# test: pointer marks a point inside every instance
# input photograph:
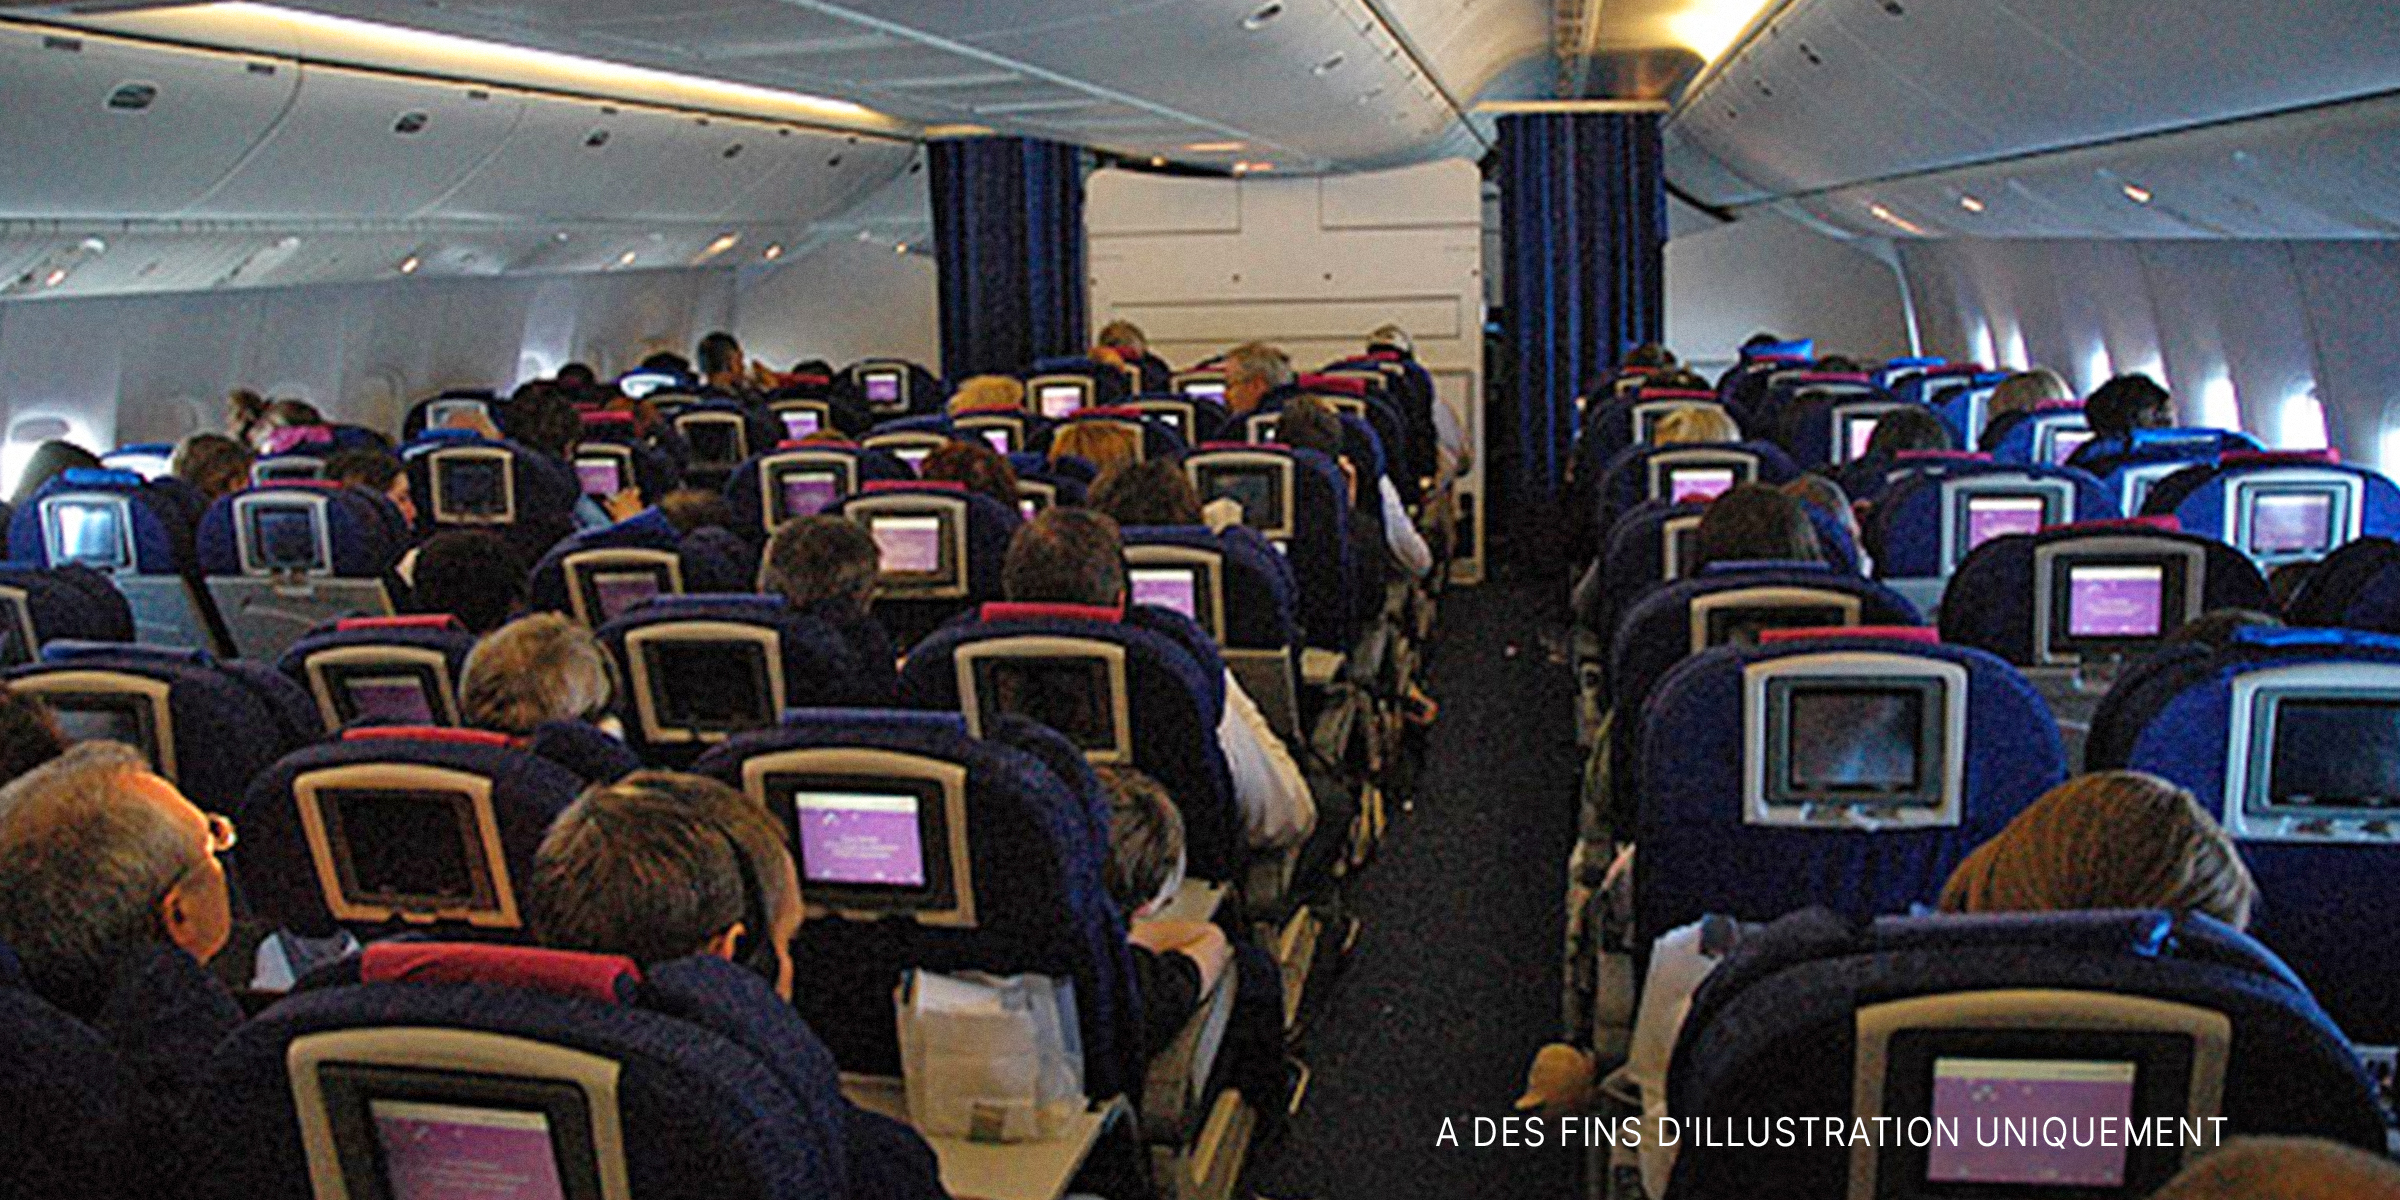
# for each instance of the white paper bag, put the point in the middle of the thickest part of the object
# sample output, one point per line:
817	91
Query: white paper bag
990	1059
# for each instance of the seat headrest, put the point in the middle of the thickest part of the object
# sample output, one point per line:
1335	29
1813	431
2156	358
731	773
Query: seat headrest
876	486
1921	634
603	417
2161	523
2272	638
1012	610
796	444
1650	393
948	722
1339	387
1112	412
99	477
1253	447
2272	458
70	650
1944	456
444	622
429	733
605	978
1764	564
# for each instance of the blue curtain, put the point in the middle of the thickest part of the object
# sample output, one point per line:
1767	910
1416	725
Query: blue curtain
1008	233
1583	221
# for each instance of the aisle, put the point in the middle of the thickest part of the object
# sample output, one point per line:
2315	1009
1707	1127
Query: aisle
1455	981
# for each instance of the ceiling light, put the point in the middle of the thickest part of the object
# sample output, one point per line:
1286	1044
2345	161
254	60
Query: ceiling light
773	251
1333	62
57	276
560	236
1710	27
1895	220
1970	203
626	259
409	265
1158	160
1264	13
721	245
93	245
2136	193
1216	147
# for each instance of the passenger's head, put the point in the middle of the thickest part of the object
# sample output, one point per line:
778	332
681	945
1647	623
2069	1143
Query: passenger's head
1145	841
2026	391
2285	1169
376	471
29	734
2127	403
690	508
1309	423
976	465
1819	492
1696	426
2115	839
1157	492
1753	522
985	393
541	417
98	858
720	358
2216	627
213	463
660	866
667	362
1906	430
1066	556
578	376
1392	336
1676	379
471	574
821	560
245	411
293	414
1253	369
48	461
1126	338
534	669
1649	354
1107	445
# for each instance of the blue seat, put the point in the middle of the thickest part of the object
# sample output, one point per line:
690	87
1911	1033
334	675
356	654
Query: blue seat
2048	436
39	605
524	496
1822	427
1929	518
2130	465
1960	394
1103	385
1710	843
765	489
382	670
676	1081
1173	700
1610	427
284	558
1243	598
71	1111
399	829
883	388
2208	720
721	435
1005	430
2221	500
2003	595
694	670
139	533
943	549
614	439
1776	414
1192	418
1309	517
1774	1033
1041	486
209	726
911	439
1158	437
1409	388
1035	836
2355	587
1642	473
596	574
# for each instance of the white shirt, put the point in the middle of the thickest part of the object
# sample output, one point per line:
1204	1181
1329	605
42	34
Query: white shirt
1277	810
1400	534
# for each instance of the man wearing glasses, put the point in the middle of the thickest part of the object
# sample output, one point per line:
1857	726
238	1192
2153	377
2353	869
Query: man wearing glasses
112	898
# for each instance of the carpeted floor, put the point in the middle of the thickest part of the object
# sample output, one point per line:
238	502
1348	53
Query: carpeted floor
1456	978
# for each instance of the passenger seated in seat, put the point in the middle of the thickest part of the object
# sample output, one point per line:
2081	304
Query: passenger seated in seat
986	393
1076	556
540	677
1160	492
1695	427
661	866
376	471
1754	522
2127	403
471	574
215	464
976	465
541	418
1308	423
2115	839
48	461
1253	370
2015	399
1177	963
29	734
1898	432
2285	1169
825	566
113	897
1827	496
1107	447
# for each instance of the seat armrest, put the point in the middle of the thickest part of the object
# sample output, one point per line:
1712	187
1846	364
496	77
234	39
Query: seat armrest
1319	668
1176	1087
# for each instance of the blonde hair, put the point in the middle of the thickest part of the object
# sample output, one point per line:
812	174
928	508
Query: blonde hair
2028	390
1124	335
1109	446
2114	839
1701	424
986	392
534	669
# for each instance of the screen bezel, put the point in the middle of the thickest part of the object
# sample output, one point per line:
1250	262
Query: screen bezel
1281	476
1768	803
584	569
24	643
897	376
1039	402
2057	497
1104	660
436	469
752	658
736	430
2249	814
2162	1065
819	413
842	467
348	1091
617	459
1177	413
938	892
1647	414
146	699
54	533
1847	416
948	577
1208	579
494	903
1672	566
345	702
948	898
2346	496
649	695
1711	613
329	670
2181	593
1925	790
1664	464
2045	435
247	538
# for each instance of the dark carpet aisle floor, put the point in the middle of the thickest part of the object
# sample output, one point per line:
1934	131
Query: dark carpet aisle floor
1455	981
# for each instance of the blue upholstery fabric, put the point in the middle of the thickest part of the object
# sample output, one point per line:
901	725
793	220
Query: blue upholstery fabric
1037	827
703	1115
1320	552
363	546
71	1114
853	414
231	719
71	602
591	755
2320	906
2104	456
279	878
1904	530
760	426
1991	600
163	519
742	494
1698	856
1805	427
1771	1033
1954	399
1633	561
1625	482
818	671
656	470
1608	430
990	525
547	490
1411	392
2355	587
1175	705
2014	441
1071	490
1257	581
2196	494
709	564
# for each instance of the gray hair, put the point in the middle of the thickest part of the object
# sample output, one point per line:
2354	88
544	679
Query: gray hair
820	558
534	669
1258	360
82	870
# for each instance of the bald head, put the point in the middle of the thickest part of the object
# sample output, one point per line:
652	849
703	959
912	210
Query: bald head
2286	1169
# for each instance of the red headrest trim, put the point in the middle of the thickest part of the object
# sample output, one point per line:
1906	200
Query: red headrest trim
430	733
1778	358
1009	610
320	484
1924	634
607	417
1956	369
558	972
796	444
2059	406
915	485
1833	377
1270	447
811	380
421	621
1673	394
2269	458
1642	369
2163	522
1339	387
1386	355
1113	412
1943	456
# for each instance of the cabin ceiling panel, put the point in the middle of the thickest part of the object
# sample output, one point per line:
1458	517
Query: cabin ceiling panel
363	145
